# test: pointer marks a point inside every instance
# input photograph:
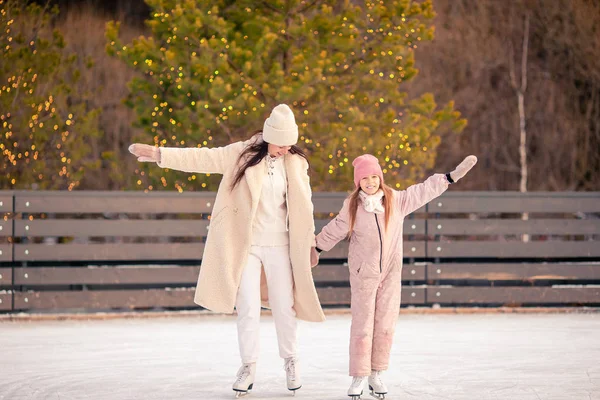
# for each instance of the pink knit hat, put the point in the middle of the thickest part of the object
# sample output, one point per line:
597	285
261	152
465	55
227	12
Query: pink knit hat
366	165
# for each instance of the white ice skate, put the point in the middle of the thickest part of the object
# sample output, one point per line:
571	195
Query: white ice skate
357	387
376	385
244	380
292	375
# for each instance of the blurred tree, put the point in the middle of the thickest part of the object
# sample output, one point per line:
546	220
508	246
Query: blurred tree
43	127
212	71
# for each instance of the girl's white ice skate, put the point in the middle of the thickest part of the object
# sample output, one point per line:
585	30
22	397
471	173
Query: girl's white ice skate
292	376
244	380
376	385
357	387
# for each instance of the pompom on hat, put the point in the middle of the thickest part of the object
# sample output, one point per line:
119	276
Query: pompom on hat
280	128
366	165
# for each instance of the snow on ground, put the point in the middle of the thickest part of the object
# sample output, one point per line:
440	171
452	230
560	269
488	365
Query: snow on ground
455	356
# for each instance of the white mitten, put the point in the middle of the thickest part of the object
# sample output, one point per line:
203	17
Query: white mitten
462	168
145	152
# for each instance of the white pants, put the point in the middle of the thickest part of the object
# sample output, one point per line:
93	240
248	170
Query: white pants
278	271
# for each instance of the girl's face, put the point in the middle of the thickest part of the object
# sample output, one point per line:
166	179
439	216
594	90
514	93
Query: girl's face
370	184
278	151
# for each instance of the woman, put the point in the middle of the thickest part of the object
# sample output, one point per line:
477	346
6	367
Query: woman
263	215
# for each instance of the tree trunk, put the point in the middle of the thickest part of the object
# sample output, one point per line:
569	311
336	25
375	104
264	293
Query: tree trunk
520	92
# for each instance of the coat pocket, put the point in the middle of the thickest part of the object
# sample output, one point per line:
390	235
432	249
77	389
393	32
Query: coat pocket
364	276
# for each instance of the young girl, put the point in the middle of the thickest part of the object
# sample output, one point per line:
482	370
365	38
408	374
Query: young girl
260	238
372	217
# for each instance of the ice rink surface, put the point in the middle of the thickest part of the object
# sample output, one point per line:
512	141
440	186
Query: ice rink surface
453	356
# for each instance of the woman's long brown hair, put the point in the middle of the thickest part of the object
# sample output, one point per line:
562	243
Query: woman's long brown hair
387	205
254	153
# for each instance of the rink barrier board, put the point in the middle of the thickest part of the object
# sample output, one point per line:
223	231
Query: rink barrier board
451	233
158	274
515	202
528	272
6	301
494	227
138	228
6	252
515	296
6	228
6	277
89	202
104	299
487	249
340	296
323	274
99	300
103	252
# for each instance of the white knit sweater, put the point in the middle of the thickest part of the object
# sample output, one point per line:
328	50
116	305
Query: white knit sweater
270	223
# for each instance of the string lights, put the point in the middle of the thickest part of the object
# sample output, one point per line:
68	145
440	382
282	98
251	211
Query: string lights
210	77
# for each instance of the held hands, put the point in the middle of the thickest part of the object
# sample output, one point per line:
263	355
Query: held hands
314	257
145	152
464	167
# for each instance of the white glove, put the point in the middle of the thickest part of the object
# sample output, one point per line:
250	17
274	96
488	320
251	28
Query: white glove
145	152
462	168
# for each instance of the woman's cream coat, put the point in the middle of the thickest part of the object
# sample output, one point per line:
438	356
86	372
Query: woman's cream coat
229	237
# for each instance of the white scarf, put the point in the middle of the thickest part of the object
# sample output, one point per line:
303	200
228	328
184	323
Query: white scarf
372	202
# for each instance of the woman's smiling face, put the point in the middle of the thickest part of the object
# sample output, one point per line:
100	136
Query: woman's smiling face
370	184
278	151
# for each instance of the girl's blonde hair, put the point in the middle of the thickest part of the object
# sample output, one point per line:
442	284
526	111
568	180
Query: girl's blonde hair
354	199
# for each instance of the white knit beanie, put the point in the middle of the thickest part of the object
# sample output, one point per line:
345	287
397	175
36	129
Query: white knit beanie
280	128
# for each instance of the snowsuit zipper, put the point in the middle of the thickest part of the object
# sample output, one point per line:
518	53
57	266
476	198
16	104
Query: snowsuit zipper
380	245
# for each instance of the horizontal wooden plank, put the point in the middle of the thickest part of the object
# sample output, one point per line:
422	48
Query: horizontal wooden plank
107	275
6	202
411	295
335	273
328	202
412	249
175	227
122	227
513	226
113	202
514	272
6	301
514	295
514	202
6	227
411	226
105	252
6	275
152	298
324	202
104	299
156	274
514	249
6	252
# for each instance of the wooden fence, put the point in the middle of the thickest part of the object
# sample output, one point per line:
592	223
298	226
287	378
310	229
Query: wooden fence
132	250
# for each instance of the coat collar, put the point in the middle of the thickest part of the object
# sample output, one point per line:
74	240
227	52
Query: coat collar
254	177
256	174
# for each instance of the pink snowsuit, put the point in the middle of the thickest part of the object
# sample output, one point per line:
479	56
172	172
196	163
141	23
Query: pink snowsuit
375	262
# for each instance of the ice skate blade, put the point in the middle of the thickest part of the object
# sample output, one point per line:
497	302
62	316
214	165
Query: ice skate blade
293	390
380	396
243	393
355	396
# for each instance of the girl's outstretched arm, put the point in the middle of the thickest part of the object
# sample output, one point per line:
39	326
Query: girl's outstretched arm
336	230
418	195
